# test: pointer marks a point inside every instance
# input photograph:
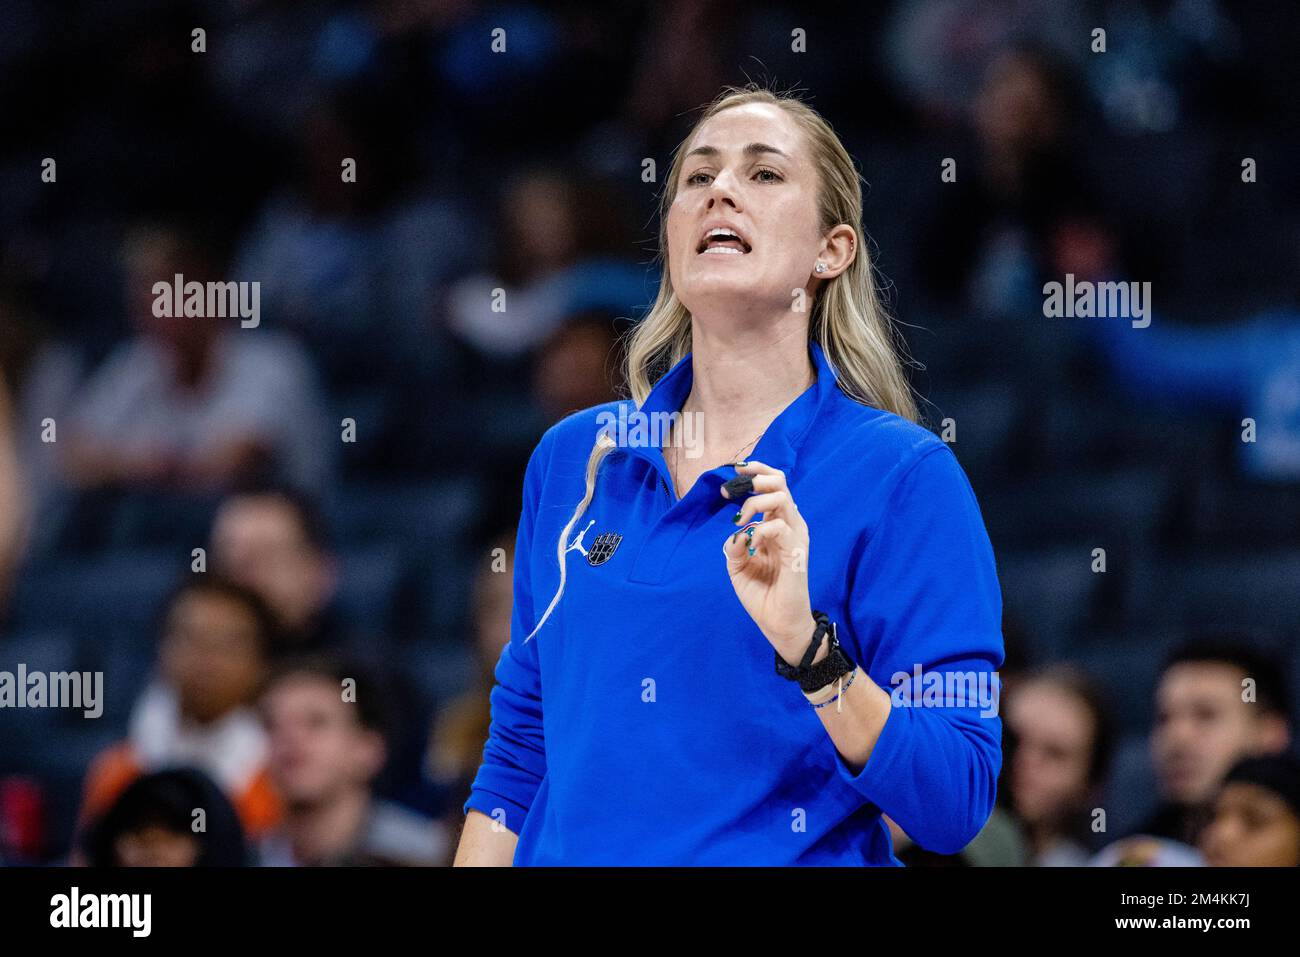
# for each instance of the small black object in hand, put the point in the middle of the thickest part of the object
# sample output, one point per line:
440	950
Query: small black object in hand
739	487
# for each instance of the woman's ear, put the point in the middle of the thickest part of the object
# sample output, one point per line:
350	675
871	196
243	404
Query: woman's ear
839	249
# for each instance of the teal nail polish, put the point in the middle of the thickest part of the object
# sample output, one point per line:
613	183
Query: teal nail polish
751	549
736	520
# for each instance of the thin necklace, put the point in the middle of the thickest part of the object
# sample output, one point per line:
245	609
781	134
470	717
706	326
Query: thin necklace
734	458
677	457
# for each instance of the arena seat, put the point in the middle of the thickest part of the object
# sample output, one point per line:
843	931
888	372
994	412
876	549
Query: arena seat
1111	510
119	591
1252	591
1053	593
370	581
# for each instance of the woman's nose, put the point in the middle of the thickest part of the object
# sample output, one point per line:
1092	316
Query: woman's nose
723	189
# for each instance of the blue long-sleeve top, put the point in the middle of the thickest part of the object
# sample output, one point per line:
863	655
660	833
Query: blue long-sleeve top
645	723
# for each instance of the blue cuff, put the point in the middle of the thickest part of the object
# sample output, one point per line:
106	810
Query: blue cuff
498	808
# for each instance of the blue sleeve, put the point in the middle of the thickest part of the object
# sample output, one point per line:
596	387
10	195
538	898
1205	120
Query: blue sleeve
924	592
514	757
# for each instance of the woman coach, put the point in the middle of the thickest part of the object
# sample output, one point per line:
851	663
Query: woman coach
686	683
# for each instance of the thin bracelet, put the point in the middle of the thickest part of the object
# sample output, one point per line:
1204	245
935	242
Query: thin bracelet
822	694
827	691
840	694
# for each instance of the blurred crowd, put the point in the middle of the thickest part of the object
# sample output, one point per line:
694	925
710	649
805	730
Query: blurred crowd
283	546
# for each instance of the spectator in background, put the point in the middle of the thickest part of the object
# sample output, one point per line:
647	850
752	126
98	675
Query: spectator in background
13	504
1217	702
680	62
578	366
461	729
324	718
1146	851
197	712
937	51
548	263
38	376
194	405
153	823
1064	743
536	235
1002	226
349	266
274	542
1255	821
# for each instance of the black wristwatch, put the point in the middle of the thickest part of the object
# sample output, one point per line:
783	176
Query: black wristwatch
810	676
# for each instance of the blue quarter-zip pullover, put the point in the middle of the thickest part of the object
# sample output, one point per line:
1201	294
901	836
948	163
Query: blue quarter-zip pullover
645	723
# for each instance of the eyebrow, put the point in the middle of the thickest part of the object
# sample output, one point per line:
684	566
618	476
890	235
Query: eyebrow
751	149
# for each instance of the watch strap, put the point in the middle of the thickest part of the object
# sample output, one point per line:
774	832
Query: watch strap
836	663
791	672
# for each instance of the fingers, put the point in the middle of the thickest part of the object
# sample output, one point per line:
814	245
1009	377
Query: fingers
758	469
776	504
742	485
775	531
736	547
742	545
769	482
771	504
755	476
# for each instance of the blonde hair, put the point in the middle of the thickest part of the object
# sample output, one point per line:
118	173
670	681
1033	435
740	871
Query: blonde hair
848	318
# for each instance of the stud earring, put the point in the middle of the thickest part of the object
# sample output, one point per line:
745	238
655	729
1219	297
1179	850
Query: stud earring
820	267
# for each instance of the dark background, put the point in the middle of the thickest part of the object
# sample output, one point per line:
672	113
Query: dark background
1126	164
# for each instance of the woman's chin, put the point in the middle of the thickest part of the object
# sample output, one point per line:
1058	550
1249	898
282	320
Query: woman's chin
707	283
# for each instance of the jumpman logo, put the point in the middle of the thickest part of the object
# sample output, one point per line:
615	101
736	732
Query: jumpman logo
577	542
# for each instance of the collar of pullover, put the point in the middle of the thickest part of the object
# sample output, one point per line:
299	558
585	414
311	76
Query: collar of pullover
779	445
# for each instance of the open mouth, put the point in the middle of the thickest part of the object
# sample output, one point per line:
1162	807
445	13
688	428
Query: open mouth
722	242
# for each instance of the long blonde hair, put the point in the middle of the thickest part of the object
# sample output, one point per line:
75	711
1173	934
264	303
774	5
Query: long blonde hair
848	318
